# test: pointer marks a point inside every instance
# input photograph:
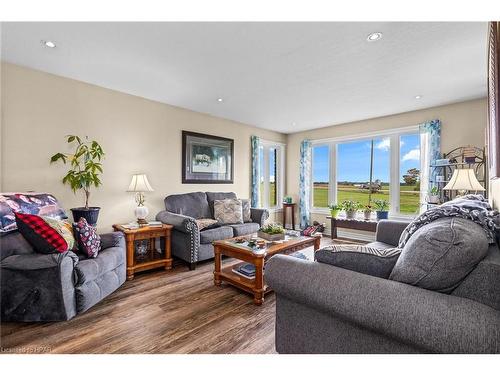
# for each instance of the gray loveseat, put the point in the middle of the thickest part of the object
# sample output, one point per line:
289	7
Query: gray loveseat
321	308
188	242
53	287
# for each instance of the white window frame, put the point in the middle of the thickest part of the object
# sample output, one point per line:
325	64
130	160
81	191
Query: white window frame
280	171
394	136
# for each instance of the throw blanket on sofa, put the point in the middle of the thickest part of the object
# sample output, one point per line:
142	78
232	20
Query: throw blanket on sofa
471	207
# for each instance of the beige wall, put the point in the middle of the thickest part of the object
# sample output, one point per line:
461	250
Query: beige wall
138	135
495	193
462	124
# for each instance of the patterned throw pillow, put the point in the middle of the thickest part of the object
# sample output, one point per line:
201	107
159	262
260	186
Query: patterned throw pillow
360	258
88	240
45	234
247	214
41	204
206	223
228	211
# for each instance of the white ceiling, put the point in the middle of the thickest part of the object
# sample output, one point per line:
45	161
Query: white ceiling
286	77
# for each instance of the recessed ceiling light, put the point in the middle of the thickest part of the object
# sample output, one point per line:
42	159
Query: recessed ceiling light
220	100
418	97
49	43
374	36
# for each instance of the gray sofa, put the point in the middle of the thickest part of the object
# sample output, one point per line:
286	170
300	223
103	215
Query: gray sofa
53	287
188	242
321	308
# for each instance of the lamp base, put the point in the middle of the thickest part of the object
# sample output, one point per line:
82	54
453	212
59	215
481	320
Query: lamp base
141	212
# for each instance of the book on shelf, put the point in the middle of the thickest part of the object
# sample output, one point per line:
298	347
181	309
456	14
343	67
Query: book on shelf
155	223
246	270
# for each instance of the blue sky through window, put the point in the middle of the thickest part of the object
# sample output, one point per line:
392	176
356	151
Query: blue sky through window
354	159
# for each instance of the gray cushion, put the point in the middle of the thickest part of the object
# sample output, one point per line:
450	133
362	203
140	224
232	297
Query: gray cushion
380	245
244	229
439	255
90	269
483	283
190	204
217	196
220	233
360	258
13	243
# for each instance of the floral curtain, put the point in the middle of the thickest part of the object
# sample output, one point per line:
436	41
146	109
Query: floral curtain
305	182
256	143
430	151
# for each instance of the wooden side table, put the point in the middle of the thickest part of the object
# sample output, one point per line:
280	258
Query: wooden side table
286	206
141	248
338	222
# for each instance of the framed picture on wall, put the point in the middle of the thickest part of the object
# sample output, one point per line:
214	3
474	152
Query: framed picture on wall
206	159
493	133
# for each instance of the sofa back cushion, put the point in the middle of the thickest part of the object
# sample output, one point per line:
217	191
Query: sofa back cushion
190	204
14	243
439	255
483	283
213	196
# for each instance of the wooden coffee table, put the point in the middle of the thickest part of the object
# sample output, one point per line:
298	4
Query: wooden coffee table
258	258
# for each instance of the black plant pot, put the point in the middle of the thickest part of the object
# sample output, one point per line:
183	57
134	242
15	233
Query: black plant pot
90	214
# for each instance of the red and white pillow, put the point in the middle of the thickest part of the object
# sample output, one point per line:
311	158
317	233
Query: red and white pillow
87	238
46	235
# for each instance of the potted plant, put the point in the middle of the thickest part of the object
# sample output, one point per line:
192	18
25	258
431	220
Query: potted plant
433	195
350	208
382	208
367	211
335	209
85	169
272	232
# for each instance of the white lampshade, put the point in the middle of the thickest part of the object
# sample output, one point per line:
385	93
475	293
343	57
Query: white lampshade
139	183
463	179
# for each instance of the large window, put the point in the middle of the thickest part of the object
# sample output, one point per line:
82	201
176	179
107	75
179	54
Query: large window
271	164
385	166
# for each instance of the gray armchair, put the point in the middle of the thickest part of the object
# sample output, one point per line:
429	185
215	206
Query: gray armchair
53	287
321	308
188	242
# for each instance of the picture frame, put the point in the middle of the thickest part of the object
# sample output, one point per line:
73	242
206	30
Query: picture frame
207	159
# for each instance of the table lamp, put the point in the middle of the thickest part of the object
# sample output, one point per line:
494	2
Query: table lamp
139	185
463	180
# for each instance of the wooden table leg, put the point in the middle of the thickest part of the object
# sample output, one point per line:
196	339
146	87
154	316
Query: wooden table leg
284	216
333	224
218	261
317	243
168	253
293	217
258	295
130	257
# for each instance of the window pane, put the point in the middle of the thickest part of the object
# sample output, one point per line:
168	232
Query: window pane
261	176
273	198
354	163
409	195
321	175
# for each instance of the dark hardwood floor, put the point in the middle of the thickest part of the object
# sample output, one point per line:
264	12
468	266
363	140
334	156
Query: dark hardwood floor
177	311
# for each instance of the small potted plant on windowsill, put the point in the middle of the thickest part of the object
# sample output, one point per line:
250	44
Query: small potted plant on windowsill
433	195
272	232
84	173
382	209
335	209
367	212
350	207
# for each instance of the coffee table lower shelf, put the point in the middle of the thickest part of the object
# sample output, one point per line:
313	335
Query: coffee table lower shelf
255	285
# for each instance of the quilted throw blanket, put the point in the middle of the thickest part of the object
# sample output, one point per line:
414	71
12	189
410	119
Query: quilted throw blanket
472	207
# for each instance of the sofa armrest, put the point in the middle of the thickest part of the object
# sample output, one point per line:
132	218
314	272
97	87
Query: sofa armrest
36	261
112	239
259	215
432	321
389	231
182	223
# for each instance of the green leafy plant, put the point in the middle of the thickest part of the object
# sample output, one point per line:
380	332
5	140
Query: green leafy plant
273	228
335	207
85	165
381	205
349	205
434	191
